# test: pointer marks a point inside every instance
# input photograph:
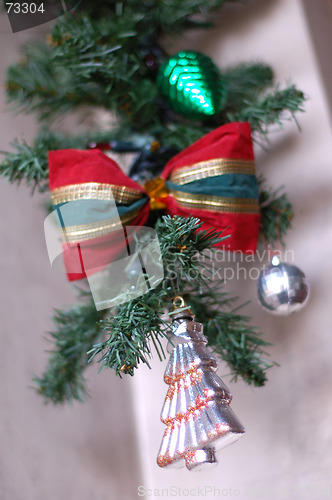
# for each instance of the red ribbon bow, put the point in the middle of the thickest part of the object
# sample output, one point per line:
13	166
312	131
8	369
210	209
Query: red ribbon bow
213	179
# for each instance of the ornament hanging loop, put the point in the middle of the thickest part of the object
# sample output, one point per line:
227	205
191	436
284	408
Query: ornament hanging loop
180	309
178	302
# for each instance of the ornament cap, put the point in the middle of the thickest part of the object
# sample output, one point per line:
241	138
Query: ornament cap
181	310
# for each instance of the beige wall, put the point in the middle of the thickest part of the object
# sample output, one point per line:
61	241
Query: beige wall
89	452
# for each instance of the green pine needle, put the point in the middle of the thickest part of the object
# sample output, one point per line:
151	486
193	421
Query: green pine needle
76	330
137	324
276	215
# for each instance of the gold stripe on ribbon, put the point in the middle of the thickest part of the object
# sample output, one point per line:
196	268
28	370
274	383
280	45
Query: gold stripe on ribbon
95	191
84	232
211	168
216	203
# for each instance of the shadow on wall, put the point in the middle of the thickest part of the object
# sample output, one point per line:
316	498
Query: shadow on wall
319	20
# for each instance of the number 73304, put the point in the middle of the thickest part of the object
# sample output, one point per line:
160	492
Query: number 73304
24	8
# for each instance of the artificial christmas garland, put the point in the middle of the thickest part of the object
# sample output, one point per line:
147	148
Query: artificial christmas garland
189	125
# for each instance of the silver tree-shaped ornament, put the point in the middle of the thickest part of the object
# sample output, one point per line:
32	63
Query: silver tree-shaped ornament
196	411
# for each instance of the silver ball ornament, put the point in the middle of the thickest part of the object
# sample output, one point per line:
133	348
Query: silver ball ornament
282	288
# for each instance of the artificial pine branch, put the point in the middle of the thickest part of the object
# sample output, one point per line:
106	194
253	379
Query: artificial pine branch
135	324
131	330
139	323
26	163
134	329
76	330
97	61
36	84
245	80
276	215
180	135
30	164
171	17
270	109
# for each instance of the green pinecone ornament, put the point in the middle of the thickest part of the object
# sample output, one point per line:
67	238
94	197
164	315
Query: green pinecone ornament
192	85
